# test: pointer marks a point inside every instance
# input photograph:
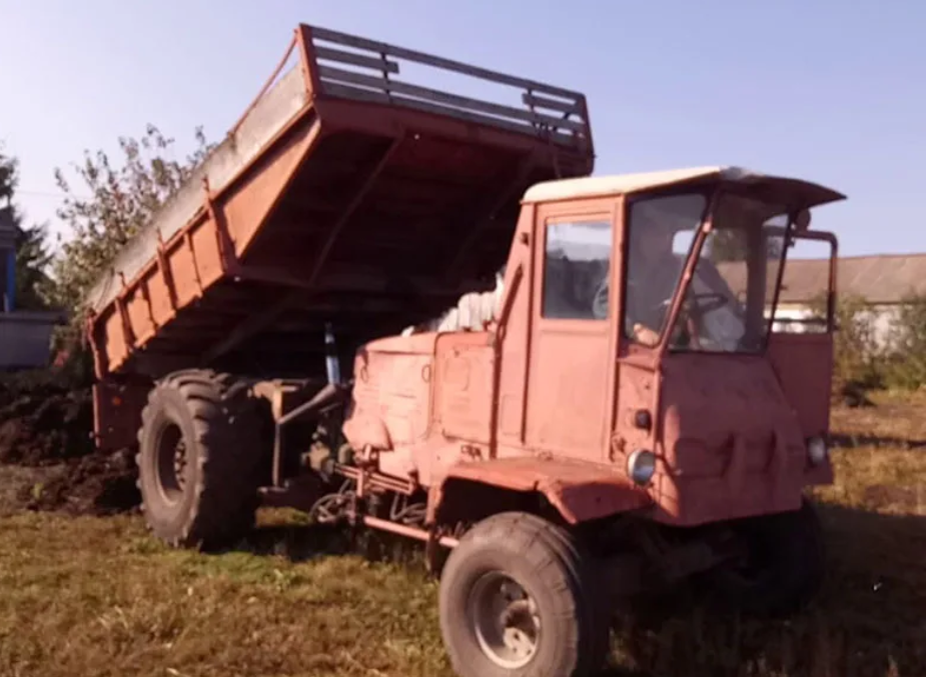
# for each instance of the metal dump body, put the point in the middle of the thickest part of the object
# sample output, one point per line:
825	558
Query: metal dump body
344	194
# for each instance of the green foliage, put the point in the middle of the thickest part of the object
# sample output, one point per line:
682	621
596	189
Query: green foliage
905	366
120	199
33	285
9	178
861	361
858	361
733	244
856	355
111	203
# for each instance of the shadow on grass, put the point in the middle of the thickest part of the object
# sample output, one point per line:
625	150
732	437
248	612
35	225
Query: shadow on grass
848	441
303	542
869	619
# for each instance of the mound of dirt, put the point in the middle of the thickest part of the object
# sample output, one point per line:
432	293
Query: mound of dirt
47	425
97	484
46	422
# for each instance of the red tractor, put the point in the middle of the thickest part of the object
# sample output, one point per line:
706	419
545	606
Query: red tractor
625	418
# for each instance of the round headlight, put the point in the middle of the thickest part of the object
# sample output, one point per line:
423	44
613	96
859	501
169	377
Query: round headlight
641	465
816	450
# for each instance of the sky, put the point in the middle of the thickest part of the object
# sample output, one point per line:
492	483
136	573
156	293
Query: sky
823	90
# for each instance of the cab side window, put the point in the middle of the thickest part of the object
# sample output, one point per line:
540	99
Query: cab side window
577	268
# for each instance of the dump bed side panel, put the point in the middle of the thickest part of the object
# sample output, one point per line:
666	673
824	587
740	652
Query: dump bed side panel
342	196
271	115
191	262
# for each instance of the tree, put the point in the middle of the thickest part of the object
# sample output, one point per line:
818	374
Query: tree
120	200
9	178
732	244
33	285
906	364
858	359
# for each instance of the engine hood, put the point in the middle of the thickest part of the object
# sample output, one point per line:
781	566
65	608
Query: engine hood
713	405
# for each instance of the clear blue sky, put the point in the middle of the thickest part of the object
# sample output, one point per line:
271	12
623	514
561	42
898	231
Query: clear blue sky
825	90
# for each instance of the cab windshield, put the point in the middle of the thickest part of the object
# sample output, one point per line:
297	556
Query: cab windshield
725	307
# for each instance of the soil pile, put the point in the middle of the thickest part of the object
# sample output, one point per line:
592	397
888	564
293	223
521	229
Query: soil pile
96	484
42	422
46	421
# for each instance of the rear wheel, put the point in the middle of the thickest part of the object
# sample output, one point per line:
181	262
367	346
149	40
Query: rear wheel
198	460
517	599
782	566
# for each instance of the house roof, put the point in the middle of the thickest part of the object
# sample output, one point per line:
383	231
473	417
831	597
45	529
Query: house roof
592	186
877	279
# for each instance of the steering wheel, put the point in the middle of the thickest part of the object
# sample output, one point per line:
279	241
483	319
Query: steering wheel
694	311
714	301
600	300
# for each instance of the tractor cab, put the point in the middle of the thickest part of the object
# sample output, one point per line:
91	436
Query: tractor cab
678	375
631	364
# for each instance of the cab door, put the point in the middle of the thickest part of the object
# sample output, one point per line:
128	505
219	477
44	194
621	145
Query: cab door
801	348
571	363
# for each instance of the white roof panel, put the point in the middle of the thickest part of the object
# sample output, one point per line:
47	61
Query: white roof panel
592	186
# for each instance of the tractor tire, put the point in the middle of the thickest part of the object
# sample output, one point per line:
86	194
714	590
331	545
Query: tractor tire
198	460
524	573
785	564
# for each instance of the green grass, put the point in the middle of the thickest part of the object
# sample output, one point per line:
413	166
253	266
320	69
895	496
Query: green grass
98	596
90	596
881	463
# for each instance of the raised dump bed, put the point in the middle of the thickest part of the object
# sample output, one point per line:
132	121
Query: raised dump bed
345	194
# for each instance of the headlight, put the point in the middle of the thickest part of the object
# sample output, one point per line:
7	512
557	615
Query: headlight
641	465
816	450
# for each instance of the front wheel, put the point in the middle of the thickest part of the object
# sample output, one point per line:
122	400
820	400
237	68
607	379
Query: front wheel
517	599
782	566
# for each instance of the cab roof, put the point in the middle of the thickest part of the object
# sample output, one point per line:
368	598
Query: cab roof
810	194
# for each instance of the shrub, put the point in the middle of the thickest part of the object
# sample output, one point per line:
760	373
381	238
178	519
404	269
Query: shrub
905	366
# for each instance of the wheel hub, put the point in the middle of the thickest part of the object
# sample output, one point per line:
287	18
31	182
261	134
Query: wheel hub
180	464
505	620
171	459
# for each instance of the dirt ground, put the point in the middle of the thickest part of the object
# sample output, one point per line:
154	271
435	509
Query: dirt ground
47	457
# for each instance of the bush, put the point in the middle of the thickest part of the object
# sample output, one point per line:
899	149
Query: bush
110	205
864	361
858	362
905	366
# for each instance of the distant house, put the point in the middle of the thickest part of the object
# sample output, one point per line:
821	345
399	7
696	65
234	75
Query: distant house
25	336
882	282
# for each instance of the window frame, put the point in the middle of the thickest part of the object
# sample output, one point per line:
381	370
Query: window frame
592	216
708	192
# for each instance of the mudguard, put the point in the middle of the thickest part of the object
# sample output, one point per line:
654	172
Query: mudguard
581	491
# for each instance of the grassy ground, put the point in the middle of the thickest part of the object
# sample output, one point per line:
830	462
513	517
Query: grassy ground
89	596
96	596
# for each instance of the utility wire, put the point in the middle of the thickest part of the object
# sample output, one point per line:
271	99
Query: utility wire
44	193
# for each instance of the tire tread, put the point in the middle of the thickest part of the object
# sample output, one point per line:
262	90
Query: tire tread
225	433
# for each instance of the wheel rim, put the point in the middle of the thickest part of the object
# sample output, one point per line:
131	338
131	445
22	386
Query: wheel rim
171	463
505	620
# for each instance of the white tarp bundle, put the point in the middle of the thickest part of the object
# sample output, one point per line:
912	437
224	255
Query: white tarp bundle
473	312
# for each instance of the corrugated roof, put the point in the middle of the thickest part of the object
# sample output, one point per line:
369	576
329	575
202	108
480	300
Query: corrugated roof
877	279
